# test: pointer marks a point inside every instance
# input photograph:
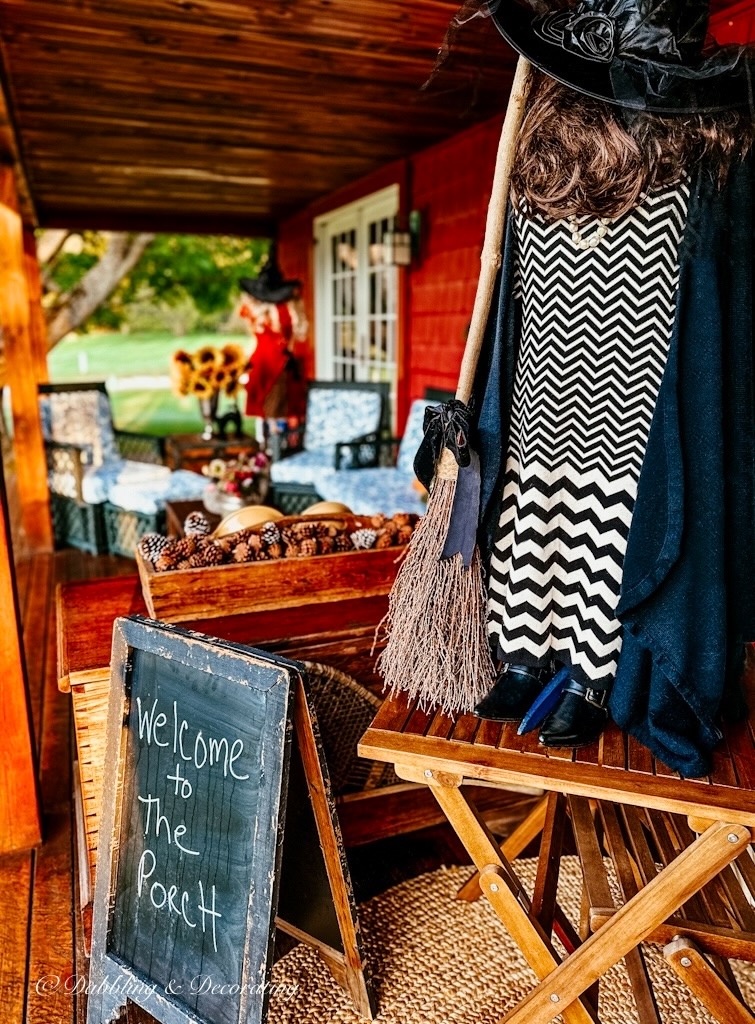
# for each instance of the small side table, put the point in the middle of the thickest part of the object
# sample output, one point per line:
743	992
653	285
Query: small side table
191	451
177	511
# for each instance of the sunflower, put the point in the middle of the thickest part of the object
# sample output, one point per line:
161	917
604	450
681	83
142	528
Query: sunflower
231	355
207	355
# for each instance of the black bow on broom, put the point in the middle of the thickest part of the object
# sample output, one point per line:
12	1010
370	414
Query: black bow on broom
445	426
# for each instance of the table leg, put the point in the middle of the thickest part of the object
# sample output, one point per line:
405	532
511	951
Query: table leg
499	883
660	898
709	987
518	841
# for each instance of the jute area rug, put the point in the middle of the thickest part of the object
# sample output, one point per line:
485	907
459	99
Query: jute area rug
438	960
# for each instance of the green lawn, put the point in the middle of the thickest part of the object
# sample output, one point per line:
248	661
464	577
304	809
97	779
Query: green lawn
97	356
101	356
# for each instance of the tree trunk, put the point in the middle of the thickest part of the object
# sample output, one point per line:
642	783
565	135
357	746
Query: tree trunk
121	256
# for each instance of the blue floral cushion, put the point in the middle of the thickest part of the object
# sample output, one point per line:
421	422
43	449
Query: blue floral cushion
141	487
98	480
368	491
340	415
82	418
412	438
303	467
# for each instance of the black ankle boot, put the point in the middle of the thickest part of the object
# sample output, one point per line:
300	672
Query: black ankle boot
513	693
578	720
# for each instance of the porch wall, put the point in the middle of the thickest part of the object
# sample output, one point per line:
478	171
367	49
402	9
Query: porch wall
449	184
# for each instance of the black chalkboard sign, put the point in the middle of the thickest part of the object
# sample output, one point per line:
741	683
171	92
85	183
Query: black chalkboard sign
198	753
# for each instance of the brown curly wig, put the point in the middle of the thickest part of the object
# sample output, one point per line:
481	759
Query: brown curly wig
576	155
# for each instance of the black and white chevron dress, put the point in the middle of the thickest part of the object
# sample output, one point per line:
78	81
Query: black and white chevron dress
596	328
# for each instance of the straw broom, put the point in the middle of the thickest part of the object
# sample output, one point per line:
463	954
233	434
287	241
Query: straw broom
437	649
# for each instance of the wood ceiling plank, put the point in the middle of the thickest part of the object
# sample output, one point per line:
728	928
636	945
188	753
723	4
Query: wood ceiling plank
218	102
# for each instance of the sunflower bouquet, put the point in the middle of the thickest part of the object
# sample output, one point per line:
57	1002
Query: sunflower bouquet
209	371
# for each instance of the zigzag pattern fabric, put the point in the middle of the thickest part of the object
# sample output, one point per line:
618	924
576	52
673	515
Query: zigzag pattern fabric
596	329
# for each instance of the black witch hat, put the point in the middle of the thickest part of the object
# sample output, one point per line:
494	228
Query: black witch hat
640	54
271	286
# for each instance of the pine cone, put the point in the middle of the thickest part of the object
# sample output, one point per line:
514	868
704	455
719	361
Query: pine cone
289	536
184	564
308	547
292	550
391	529
185	547
152	545
197	560
364	539
242	552
270	533
275	550
254	541
165	563
212	555
343	543
196	525
405	534
384	540
402	519
378	521
327	545
305	531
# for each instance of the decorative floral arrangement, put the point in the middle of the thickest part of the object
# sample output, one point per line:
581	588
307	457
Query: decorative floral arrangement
238	477
208	371
292	538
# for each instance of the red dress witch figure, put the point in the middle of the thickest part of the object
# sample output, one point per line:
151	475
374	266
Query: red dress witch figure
275	388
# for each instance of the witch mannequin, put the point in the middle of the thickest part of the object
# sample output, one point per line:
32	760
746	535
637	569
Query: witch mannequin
613	405
275	386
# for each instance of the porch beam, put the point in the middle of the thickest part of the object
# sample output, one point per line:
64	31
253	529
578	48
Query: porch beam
20	824
23	372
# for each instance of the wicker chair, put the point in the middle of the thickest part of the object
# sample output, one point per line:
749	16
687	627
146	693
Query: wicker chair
107	487
387	484
337	412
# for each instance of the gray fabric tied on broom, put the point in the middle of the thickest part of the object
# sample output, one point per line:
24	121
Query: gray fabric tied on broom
462	530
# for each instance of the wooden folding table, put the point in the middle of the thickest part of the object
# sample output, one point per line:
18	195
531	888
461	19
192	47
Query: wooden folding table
613	784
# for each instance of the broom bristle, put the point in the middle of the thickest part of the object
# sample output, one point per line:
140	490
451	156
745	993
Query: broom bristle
437	648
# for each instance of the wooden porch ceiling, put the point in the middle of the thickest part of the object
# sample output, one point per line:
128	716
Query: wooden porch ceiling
226	115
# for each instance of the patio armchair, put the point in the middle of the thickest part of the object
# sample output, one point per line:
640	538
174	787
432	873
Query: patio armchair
107	487
389	484
344	420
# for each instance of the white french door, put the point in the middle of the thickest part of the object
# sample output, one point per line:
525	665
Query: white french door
356	294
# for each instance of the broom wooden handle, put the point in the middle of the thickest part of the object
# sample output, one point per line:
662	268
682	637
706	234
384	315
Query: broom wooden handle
491	249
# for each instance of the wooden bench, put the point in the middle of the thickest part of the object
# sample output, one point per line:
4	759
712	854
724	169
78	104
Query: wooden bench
679	847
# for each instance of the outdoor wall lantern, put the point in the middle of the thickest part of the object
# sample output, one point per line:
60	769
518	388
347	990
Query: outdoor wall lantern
397	248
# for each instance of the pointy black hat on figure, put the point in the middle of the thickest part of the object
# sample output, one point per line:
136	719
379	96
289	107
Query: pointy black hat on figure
651	55
271	286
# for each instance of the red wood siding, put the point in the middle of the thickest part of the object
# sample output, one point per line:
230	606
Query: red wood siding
450	187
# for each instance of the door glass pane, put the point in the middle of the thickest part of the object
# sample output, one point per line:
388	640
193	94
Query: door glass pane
362	308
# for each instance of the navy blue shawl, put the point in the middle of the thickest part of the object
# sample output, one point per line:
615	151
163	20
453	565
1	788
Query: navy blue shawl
688	593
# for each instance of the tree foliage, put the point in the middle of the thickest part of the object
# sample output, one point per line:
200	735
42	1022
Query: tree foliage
169	271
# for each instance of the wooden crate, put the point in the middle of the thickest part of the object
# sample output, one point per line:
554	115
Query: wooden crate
90	699
182	595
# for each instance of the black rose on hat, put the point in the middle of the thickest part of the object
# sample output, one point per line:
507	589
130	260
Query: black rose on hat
640	54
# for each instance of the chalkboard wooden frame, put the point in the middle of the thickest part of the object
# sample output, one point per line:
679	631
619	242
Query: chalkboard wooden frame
112	981
348	964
